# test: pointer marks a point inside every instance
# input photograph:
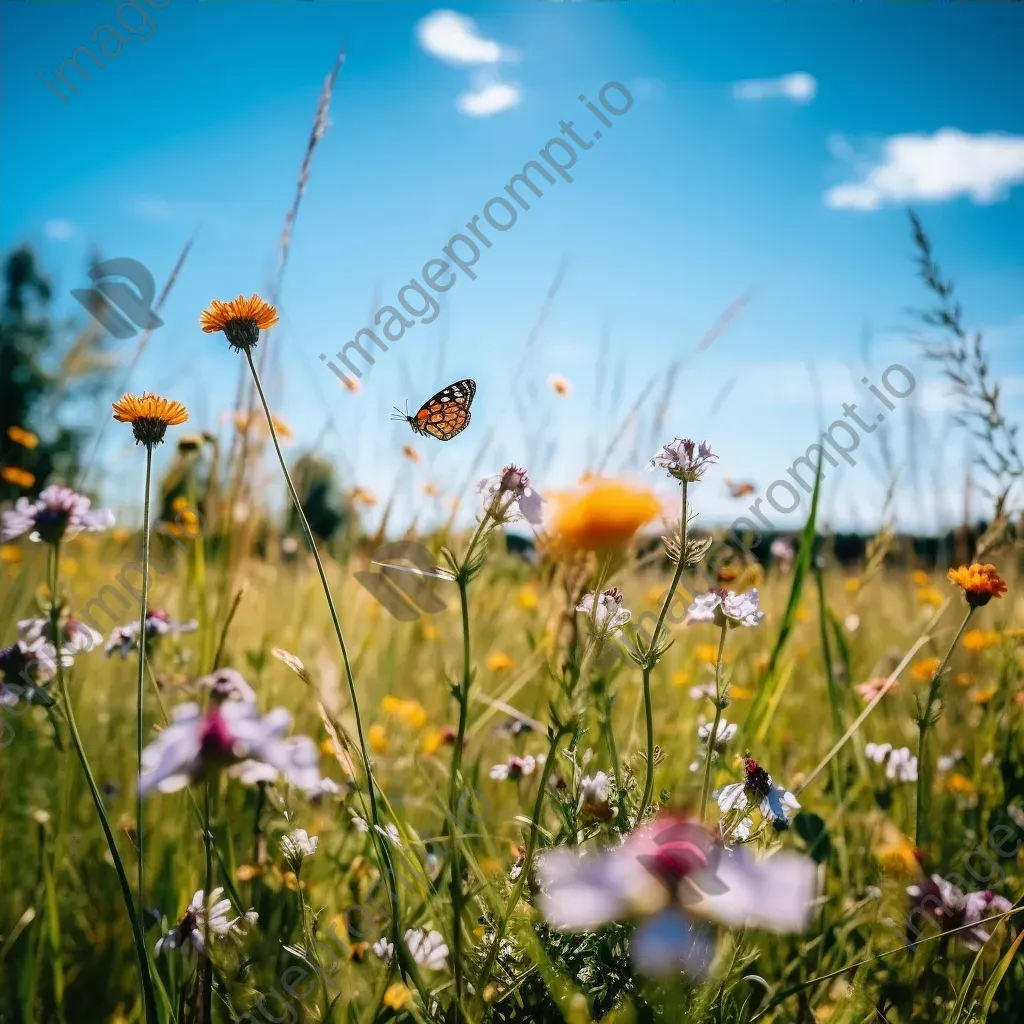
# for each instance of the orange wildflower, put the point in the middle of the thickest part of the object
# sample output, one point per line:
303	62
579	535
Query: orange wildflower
980	583
17	476
150	416
241	320
605	515
19	435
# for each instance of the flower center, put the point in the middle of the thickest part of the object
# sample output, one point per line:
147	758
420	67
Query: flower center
51	523
216	742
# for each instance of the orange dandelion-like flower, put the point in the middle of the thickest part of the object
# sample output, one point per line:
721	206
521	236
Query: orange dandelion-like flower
17	476
241	320
604	515
925	668
980	583
983	694
363	497
559	385
150	416
410	453
960	785
349	384
23	437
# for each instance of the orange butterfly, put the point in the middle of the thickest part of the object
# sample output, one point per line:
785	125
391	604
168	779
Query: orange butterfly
444	415
739	490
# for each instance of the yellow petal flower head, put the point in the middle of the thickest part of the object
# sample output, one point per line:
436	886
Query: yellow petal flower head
604	515
980	583
150	416
241	320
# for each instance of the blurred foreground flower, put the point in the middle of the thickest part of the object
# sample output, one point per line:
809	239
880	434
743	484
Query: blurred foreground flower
980	583
976	640
58	514
204	919
75	638
873	687
232	736
665	875
514	768
684	459
949	908
603	515
150	416
241	320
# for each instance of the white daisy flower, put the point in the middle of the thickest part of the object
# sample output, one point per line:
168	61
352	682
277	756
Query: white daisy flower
514	768
428	948
296	846
201	920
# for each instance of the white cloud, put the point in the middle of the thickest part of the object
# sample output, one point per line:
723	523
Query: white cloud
58	230
454	39
935	168
799	87
489	99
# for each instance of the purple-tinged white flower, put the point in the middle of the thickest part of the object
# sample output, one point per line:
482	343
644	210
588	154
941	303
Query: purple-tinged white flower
235	737
728	608
383	949
201	920
227	684
514	768
725	732
664	876
776	804
949	908
946	762
296	846
783	551
684	459
605	613
25	669
509	497
57	514
125	639
428	948
595	796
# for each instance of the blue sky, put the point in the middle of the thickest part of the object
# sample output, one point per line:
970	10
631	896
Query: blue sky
770	152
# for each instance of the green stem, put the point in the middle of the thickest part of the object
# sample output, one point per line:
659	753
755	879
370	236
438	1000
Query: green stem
148	995
401	948
651	660
705	789
924	773
139	723
455	887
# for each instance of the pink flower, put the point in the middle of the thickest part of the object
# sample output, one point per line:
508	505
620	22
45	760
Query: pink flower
665	876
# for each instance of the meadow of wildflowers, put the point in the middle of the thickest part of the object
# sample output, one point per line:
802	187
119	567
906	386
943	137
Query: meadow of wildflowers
637	769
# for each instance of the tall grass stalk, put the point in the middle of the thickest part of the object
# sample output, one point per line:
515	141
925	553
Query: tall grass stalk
140	682
720	701
148	996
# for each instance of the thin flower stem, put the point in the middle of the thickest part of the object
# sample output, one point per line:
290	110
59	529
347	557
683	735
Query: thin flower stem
401	948
524	874
148	995
455	887
924	775
705	789
650	660
139	723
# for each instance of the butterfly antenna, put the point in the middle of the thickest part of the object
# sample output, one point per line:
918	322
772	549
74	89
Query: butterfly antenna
400	416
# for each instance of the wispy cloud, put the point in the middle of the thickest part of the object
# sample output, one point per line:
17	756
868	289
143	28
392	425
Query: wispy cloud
455	39
489	98
799	87
59	230
934	168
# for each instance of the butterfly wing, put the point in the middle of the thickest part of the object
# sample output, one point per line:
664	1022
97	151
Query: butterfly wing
447	413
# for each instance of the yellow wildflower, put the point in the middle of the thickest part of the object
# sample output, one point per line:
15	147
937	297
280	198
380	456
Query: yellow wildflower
378	738
975	640
960	785
929	595
526	597
499	661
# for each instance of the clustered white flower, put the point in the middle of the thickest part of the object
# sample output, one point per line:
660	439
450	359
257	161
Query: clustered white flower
203	919
684	459
427	948
605	613
726	609
296	846
900	763
724	733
